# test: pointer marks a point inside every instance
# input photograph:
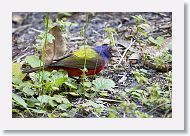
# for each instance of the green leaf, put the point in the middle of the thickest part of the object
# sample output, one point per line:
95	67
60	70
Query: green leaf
70	85
72	112
66	105
38	111
158	42
16	71
64	114
58	98
16	81
102	83
19	100
63	107
28	91
52	102
51	115
58	82
59	74
32	102
93	104
44	98
112	115
87	84
33	61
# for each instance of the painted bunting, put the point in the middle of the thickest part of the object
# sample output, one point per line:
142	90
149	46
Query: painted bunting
96	58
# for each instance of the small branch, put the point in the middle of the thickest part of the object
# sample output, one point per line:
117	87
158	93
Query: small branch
109	100
33	29
21	28
122	57
156	107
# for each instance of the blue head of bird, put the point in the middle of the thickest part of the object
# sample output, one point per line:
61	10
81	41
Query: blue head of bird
104	52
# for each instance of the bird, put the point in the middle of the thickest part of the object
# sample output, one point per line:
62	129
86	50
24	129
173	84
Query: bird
96	59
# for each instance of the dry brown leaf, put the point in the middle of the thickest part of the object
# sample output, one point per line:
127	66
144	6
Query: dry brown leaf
55	50
17	18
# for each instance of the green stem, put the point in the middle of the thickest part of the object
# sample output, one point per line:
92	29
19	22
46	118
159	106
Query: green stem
85	39
44	51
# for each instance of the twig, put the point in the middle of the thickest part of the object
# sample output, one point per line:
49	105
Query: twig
109	100
156	107
21	28
122	57
36	30
76	38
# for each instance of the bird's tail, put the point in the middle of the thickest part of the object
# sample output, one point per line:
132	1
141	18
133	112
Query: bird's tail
30	70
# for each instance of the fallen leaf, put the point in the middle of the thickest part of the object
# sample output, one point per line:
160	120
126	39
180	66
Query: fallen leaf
18	18
55	50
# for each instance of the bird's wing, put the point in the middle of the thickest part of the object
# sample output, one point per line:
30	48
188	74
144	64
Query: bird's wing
78	62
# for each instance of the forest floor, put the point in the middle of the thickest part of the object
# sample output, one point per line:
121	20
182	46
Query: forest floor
141	89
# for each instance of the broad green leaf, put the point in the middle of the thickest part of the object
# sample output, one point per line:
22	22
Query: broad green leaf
28	91
63	106
93	104
72	112
51	115
158	41
64	114
66	105
102	83
44	98
59	74
65	100
112	115
32	102
33	61
87	84
19	100
58	82
52	102
38	111
70	85
58	98
16	71
16	81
